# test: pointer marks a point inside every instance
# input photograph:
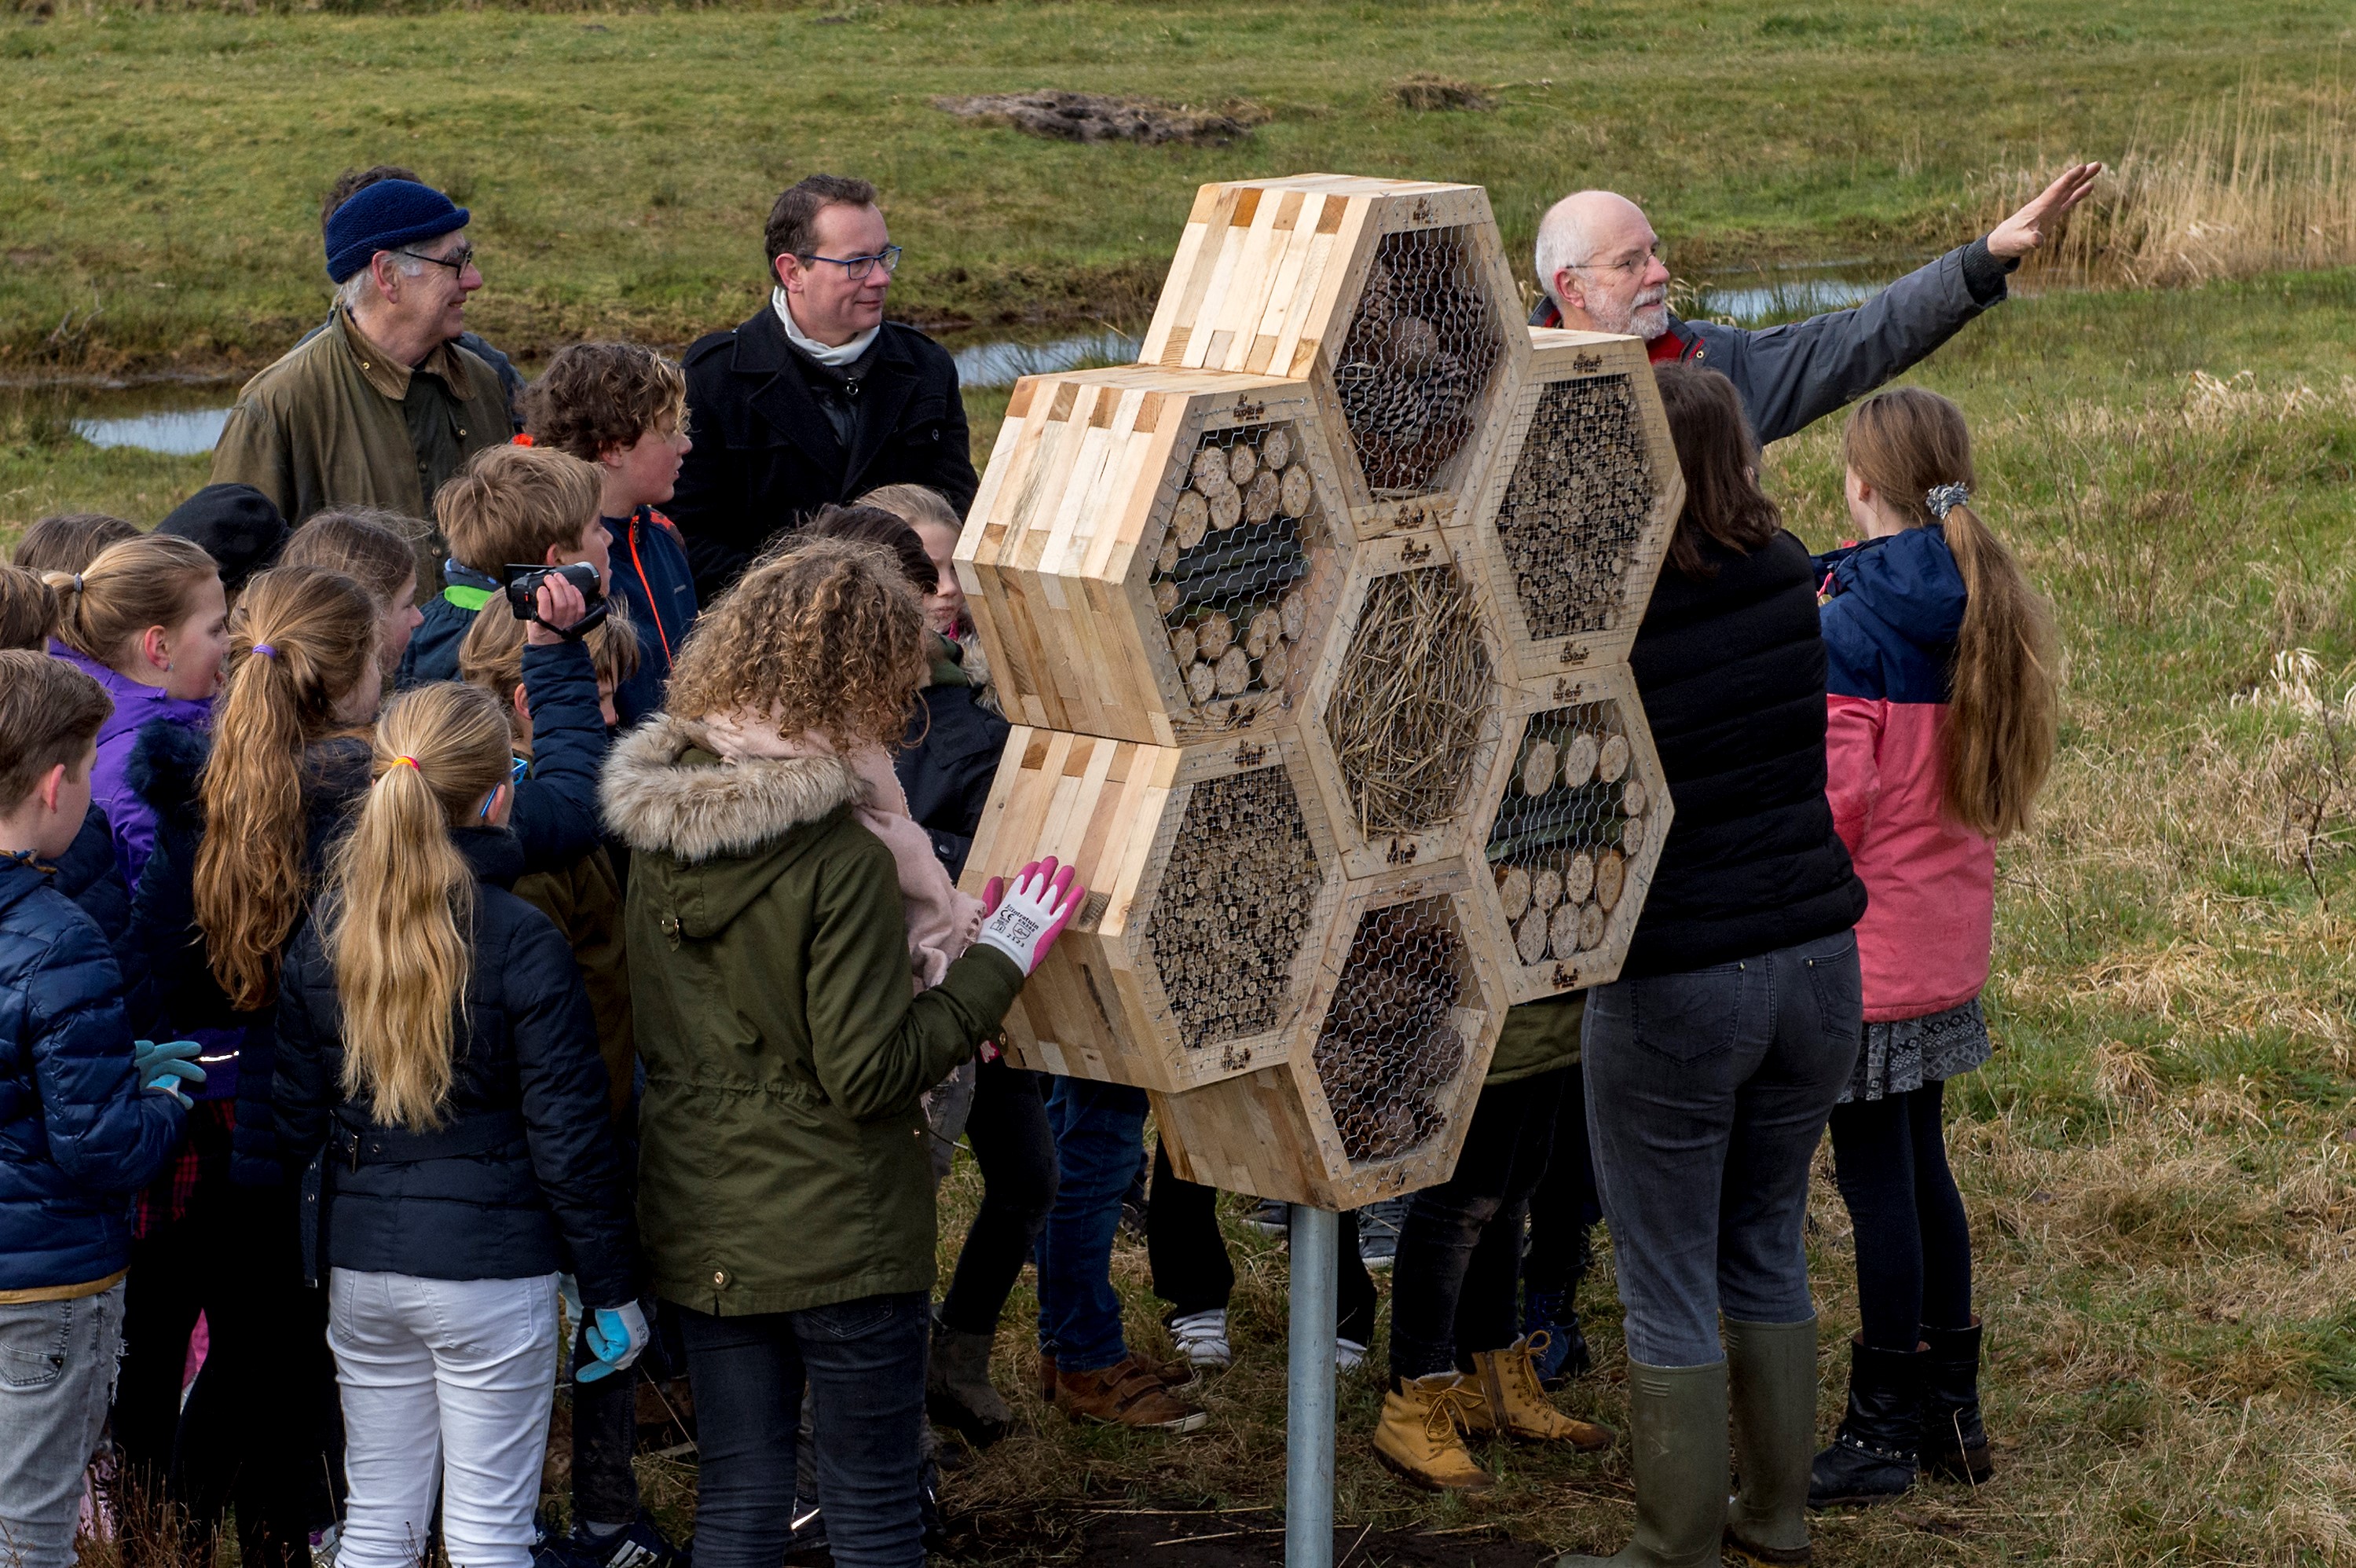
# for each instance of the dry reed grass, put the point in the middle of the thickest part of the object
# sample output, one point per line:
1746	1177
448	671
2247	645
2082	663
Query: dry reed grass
2263	182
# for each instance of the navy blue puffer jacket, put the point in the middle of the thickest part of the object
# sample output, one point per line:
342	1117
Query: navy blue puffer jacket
91	875
78	1136
522	1177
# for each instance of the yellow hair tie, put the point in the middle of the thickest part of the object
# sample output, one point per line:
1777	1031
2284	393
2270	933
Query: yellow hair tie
404	761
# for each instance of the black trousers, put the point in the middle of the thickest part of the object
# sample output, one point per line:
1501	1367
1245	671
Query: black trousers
1913	1241
254	1434
1460	1252
1189	1257
1012	1144
1564	1210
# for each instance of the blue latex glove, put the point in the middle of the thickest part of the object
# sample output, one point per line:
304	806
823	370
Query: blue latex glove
169	1074
145	1054
616	1336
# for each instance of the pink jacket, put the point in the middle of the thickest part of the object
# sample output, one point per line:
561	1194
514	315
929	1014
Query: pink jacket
1890	628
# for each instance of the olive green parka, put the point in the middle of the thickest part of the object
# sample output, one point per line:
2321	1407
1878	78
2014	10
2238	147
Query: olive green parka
784	1160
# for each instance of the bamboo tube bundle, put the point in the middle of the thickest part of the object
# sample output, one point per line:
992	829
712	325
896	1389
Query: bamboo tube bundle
1579	828
1579	503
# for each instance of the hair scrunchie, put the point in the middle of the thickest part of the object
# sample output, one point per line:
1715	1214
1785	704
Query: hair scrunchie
1944	499
266	650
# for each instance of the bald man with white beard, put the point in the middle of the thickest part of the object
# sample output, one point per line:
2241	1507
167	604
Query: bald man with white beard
1600	264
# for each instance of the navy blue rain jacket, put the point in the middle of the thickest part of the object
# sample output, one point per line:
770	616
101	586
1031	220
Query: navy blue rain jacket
78	1135
522	1177
650	573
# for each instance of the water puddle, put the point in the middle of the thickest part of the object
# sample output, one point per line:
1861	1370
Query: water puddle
185	420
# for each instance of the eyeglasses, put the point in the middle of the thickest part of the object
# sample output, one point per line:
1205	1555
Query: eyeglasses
1627	264
457	260
857	267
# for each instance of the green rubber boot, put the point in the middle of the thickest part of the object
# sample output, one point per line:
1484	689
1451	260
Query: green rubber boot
1676	1444
1772	1387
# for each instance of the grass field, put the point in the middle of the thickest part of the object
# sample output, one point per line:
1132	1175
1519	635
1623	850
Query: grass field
160	167
2160	1164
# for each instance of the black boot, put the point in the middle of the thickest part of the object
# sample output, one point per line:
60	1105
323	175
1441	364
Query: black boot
1954	1442
1873	1454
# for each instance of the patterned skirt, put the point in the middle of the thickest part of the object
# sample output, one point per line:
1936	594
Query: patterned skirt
1900	1058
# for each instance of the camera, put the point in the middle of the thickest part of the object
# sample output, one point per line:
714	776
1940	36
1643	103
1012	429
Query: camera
524	588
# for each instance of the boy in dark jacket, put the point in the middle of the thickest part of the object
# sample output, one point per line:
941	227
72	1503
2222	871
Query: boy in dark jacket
625	409
78	1134
510	506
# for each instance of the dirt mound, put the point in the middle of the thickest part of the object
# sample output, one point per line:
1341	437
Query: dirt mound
1092	117
1426	92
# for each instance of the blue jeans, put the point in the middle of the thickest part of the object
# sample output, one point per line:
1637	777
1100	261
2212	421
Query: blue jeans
1707	1094
864	1362
57	1374
1099	1138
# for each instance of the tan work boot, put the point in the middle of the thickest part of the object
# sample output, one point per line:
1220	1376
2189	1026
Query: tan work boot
1512	1402
1417	1436
1129	1393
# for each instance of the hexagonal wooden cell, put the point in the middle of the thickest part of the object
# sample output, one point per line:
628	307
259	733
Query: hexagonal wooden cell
1214	885
1572	844
1377	1101
1580	500
1392	296
1153	554
1403	719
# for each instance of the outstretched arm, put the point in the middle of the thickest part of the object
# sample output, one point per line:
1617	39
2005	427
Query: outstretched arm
2027	229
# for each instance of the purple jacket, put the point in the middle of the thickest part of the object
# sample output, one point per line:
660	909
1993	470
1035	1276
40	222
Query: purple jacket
128	815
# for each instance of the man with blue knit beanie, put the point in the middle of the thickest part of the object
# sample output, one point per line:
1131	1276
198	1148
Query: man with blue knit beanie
385	404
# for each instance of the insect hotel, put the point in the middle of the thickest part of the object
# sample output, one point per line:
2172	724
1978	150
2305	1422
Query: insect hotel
1312	625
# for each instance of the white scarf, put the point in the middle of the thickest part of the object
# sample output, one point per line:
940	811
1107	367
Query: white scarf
848	354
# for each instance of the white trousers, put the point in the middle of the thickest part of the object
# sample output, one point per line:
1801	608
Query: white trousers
454	1375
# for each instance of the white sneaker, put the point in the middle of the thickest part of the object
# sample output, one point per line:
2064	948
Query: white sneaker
1348	1355
1202	1338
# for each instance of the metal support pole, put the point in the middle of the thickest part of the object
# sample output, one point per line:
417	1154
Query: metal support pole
1309	1391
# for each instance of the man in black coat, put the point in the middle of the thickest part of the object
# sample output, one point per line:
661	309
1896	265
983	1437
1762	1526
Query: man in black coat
817	399
1600	264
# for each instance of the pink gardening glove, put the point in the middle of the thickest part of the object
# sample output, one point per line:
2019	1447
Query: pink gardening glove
1021	921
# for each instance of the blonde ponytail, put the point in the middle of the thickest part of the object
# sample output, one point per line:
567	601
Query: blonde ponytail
401	899
151	580
300	640
1998	742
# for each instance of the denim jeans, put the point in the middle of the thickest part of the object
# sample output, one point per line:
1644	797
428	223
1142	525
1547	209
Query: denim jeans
449	1380
1460	1252
1099	1140
864	1362
57	1375
1707	1095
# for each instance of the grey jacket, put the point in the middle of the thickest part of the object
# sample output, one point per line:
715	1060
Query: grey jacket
1790	376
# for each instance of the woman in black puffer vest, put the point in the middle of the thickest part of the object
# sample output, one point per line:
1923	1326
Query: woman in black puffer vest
1714	1059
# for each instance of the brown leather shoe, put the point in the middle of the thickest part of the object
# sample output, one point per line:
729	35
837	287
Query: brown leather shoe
1175	1374
1129	1393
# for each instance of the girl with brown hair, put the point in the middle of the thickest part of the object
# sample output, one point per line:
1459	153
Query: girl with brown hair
1712	1062
438	1067
801	971
377	549
1941	722
147	620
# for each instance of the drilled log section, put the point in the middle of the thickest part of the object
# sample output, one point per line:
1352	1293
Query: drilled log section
1561	841
1574	513
1232	559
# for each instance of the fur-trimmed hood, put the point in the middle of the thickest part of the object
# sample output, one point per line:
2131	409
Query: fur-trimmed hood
658	803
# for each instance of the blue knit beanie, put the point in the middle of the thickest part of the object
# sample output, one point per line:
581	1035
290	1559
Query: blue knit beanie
385	217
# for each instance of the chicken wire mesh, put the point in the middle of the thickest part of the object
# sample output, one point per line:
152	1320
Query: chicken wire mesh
1390	1050
1575	816
1421	345
1236	903
1231	579
1415	693
1575	510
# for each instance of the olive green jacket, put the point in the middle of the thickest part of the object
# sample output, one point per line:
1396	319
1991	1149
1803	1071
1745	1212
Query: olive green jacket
335	423
785	1161
1538	1036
